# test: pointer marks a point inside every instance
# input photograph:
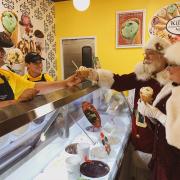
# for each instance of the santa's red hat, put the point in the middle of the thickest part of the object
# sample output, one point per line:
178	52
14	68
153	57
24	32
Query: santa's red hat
158	44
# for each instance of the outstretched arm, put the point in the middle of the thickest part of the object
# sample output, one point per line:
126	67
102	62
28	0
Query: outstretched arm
46	87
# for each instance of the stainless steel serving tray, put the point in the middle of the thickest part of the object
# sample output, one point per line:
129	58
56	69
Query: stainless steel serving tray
15	116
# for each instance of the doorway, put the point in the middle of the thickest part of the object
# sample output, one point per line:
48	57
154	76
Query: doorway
81	50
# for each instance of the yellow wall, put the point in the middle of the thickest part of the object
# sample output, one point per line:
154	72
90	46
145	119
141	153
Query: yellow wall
100	21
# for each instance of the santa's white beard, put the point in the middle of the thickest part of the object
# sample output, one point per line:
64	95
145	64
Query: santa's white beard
163	77
144	71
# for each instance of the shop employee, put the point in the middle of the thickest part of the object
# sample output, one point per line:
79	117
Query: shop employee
34	68
14	88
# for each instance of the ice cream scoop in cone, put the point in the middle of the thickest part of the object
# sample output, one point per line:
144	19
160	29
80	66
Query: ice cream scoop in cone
131	31
9	21
172	11
146	94
83	72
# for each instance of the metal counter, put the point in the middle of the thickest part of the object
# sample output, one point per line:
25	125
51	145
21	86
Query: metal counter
15	116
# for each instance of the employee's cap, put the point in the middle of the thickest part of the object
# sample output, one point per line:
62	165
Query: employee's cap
32	57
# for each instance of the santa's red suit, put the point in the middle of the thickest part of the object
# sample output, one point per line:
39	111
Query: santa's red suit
142	137
165	161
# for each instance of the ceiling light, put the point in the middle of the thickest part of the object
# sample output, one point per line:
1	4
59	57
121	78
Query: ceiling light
81	5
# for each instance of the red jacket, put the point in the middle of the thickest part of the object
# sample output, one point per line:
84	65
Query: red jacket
165	161
142	138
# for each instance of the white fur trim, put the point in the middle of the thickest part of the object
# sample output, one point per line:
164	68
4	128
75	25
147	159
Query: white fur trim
163	93
141	72
144	72
105	78
154	40
163	77
173	118
172	54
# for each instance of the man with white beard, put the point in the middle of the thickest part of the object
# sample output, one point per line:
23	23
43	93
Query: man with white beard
165	114
147	73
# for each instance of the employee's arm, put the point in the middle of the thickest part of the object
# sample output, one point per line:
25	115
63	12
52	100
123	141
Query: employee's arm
26	95
7	103
46	87
42	87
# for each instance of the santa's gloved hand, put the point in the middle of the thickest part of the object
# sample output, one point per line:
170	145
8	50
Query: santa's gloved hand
87	73
93	75
151	112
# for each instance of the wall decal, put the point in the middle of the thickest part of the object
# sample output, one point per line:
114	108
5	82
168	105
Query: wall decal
130	28
165	23
32	29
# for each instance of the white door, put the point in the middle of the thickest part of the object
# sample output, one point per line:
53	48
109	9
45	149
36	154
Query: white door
72	51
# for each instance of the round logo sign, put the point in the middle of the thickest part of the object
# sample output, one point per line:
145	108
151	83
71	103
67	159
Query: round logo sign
173	26
166	23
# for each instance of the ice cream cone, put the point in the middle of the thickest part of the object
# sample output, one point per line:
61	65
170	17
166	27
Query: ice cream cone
83	72
178	6
146	94
161	34
177	13
160	27
163	14
172	11
162	20
169	16
14	36
9	21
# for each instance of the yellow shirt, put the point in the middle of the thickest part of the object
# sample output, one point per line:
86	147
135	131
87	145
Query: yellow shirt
30	78
17	83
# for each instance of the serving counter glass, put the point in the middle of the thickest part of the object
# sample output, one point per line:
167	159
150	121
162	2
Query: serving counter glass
35	136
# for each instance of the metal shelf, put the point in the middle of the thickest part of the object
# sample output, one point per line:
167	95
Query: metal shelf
15	116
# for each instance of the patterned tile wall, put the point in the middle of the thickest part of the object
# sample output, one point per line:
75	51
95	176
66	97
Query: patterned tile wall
42	16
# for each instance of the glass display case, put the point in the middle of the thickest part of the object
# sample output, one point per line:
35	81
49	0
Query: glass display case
39	148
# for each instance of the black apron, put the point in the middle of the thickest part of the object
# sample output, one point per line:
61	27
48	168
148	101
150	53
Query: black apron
6	92
42	79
